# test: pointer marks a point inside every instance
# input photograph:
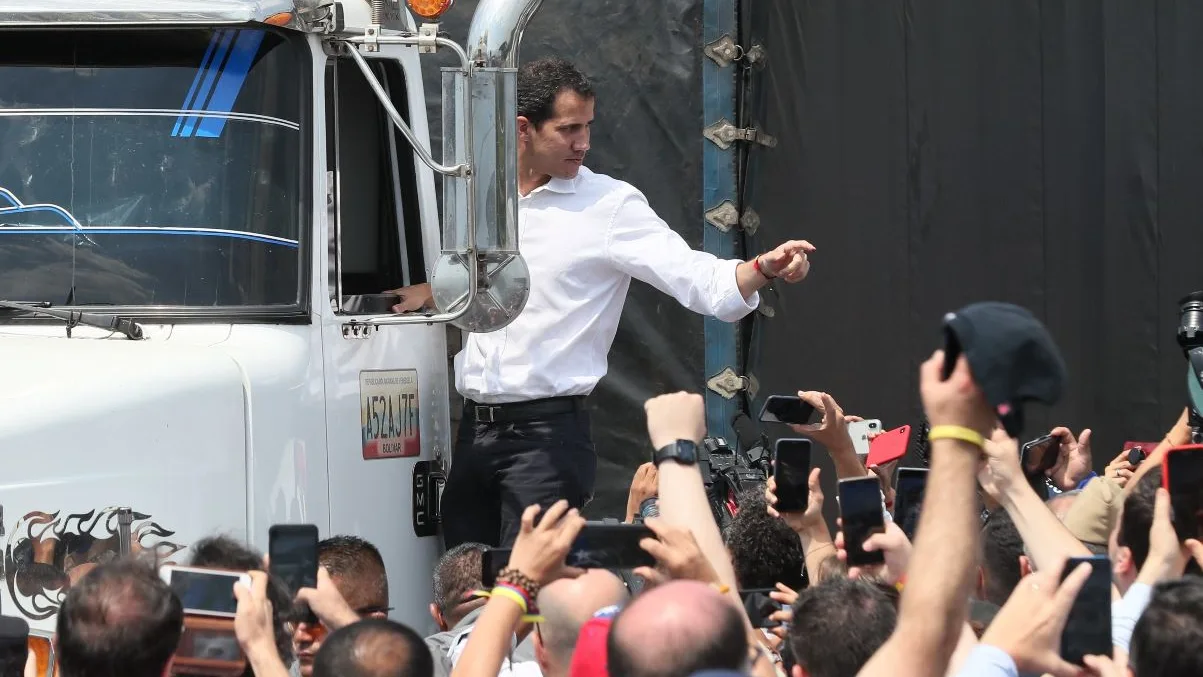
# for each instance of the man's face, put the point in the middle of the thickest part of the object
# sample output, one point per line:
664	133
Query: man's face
307	639
557	147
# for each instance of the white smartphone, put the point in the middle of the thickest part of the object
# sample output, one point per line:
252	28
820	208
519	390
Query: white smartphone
859	431
205	592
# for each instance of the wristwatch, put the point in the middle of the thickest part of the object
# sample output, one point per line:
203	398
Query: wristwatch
684	452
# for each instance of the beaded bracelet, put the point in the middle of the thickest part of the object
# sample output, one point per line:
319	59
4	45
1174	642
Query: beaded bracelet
518	579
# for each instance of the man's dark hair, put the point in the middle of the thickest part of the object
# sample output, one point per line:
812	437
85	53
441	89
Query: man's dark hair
1166	639
375	647
764	550
1002	547
838	625
457	573
540	82
14	646
1137	517
726	649
355	560
119	620
223	552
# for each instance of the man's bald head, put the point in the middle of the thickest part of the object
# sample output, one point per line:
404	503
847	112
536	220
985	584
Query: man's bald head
373	648
567	604
675	630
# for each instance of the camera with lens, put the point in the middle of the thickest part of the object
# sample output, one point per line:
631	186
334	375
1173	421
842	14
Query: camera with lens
1190	337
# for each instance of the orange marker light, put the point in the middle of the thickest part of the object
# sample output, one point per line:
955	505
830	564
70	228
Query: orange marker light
281	19
430	10
40	648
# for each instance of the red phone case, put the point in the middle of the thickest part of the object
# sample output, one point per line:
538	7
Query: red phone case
1165	465
889	446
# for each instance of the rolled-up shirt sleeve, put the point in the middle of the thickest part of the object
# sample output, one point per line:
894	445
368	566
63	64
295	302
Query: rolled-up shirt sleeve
641	244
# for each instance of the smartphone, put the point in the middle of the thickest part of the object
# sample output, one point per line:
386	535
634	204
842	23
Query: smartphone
952	349
1088	629
861	512
759	606
1040	455
859	432
606	545
889	446
786	409
492	561
791	470
1182	476
204	592
292	549
909	488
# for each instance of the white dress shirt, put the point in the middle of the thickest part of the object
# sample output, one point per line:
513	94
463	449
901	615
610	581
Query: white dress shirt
583	240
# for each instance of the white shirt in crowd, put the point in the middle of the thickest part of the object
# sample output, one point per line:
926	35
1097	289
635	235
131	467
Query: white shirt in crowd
583	240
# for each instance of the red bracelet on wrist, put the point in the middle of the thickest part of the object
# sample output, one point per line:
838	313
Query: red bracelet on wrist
760	269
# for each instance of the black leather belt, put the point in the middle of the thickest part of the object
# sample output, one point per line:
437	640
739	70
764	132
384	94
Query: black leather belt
522	411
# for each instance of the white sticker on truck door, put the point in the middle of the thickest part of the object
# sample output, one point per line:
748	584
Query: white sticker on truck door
388	414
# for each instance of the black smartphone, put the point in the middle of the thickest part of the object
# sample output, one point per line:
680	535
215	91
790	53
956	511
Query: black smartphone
759	606
606	545
292	549
1039	455
786	409
492	561
1088	630
860	511
908	499
791	468
1182	476
952	349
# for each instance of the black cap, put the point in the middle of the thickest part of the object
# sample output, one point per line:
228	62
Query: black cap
1012	356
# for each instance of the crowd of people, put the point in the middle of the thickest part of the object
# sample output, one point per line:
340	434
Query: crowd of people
969	597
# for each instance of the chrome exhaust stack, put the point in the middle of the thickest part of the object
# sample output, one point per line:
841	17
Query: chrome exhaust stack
480	282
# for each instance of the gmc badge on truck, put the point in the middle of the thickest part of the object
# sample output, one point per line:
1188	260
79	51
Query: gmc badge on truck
427	495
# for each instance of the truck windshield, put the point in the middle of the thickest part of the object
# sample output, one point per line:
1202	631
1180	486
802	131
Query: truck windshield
152	167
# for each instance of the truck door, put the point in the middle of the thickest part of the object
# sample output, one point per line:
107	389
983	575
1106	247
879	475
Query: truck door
386	387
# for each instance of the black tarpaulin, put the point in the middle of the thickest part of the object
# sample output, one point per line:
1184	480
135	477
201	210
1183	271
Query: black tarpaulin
644	60
940	152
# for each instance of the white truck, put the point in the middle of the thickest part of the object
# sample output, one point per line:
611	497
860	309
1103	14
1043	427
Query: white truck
201	203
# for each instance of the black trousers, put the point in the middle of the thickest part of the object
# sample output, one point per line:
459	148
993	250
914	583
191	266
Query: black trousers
499	469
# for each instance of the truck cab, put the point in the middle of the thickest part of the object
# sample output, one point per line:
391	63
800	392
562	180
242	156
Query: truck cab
202	205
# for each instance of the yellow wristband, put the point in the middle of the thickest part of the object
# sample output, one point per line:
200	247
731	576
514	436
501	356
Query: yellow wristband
510	595
956	432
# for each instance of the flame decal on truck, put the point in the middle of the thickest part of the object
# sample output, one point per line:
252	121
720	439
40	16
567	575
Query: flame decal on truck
46	554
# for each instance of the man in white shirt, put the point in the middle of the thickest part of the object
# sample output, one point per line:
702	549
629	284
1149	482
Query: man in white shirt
525	436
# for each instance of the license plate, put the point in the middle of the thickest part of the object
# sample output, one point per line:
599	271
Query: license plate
388	414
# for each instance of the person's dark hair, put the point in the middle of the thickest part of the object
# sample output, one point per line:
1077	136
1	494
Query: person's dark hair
223	552
375	647
1002	547
838	625
1137	517
353	559
457	573
764	550
726	649
13	654
1166	639
540	82
119	620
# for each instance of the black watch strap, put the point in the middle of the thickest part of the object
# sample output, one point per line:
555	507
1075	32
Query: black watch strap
684	452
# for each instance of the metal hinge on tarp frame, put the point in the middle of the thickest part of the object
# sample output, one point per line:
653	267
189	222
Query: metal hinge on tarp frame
724	134
726	216
726	51
727	384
